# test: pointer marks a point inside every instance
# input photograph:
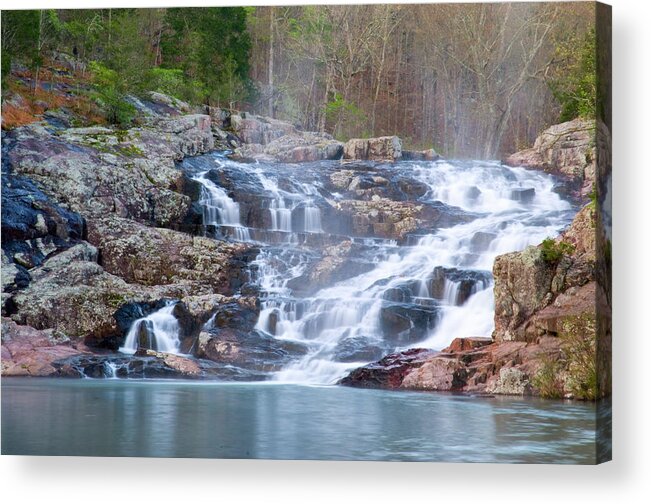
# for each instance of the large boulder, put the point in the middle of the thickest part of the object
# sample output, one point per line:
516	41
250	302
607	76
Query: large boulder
73	294
527	282
337	263
293	148
387	148
98	171
31	352
566	149
159	256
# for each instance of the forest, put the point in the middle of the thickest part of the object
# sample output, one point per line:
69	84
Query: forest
471	81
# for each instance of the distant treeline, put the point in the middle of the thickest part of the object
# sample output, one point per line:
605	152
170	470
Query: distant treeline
471	80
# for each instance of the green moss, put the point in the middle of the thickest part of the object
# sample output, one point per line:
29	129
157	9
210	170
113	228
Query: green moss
130	150
115	300
553	251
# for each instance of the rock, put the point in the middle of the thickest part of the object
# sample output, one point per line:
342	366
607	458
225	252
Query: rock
388	148
338	263
481	240
169	101
424	155
251	350
388	372
182	365
99	171
298	148
76	296
385	218
461	283
150	364
523	195
566	149
464	344
526	283
357	349
472	365
511	381
403	323
33	226
205	265
30	352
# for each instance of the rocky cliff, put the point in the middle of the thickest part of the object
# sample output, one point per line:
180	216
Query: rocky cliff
95	219
567	150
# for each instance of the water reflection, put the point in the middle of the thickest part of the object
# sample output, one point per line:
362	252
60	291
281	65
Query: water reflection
175	419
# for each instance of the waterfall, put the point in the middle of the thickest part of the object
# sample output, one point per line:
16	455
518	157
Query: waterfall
219	209
436	285
157	331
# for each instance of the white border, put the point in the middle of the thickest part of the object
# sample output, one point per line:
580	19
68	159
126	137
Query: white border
627	479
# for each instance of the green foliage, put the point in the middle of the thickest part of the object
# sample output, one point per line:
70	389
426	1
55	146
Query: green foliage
553	251
211	46
578	343
547	379
110	91
574	370
343	113
575	86
19	38
172	82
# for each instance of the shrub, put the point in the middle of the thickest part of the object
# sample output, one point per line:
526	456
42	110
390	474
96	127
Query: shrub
579	346
110	94
553	251
548	378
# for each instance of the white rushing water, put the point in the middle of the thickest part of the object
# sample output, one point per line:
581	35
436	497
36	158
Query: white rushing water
444	277
219	209
160	329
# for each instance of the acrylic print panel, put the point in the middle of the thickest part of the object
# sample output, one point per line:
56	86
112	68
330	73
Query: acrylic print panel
351	232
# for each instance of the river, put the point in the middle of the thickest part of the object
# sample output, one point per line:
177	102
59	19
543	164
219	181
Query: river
271	420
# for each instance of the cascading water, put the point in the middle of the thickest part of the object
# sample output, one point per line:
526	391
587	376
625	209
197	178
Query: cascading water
431	288
157	331
219	209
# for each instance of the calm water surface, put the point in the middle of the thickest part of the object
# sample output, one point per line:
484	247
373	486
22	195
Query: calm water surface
281	421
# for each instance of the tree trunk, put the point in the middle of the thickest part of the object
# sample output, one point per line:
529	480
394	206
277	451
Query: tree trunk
270	73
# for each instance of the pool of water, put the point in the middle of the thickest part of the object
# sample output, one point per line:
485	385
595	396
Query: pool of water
151	418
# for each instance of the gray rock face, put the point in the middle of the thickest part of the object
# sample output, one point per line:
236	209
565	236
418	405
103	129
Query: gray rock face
566	149
527	282
388	148
122	184
98	171
267	139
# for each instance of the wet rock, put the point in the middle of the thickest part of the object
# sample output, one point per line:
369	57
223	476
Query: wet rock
388	372
150	364
249	349
338	263
387	148
358	349
523	195
481	240
407	323
465	282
